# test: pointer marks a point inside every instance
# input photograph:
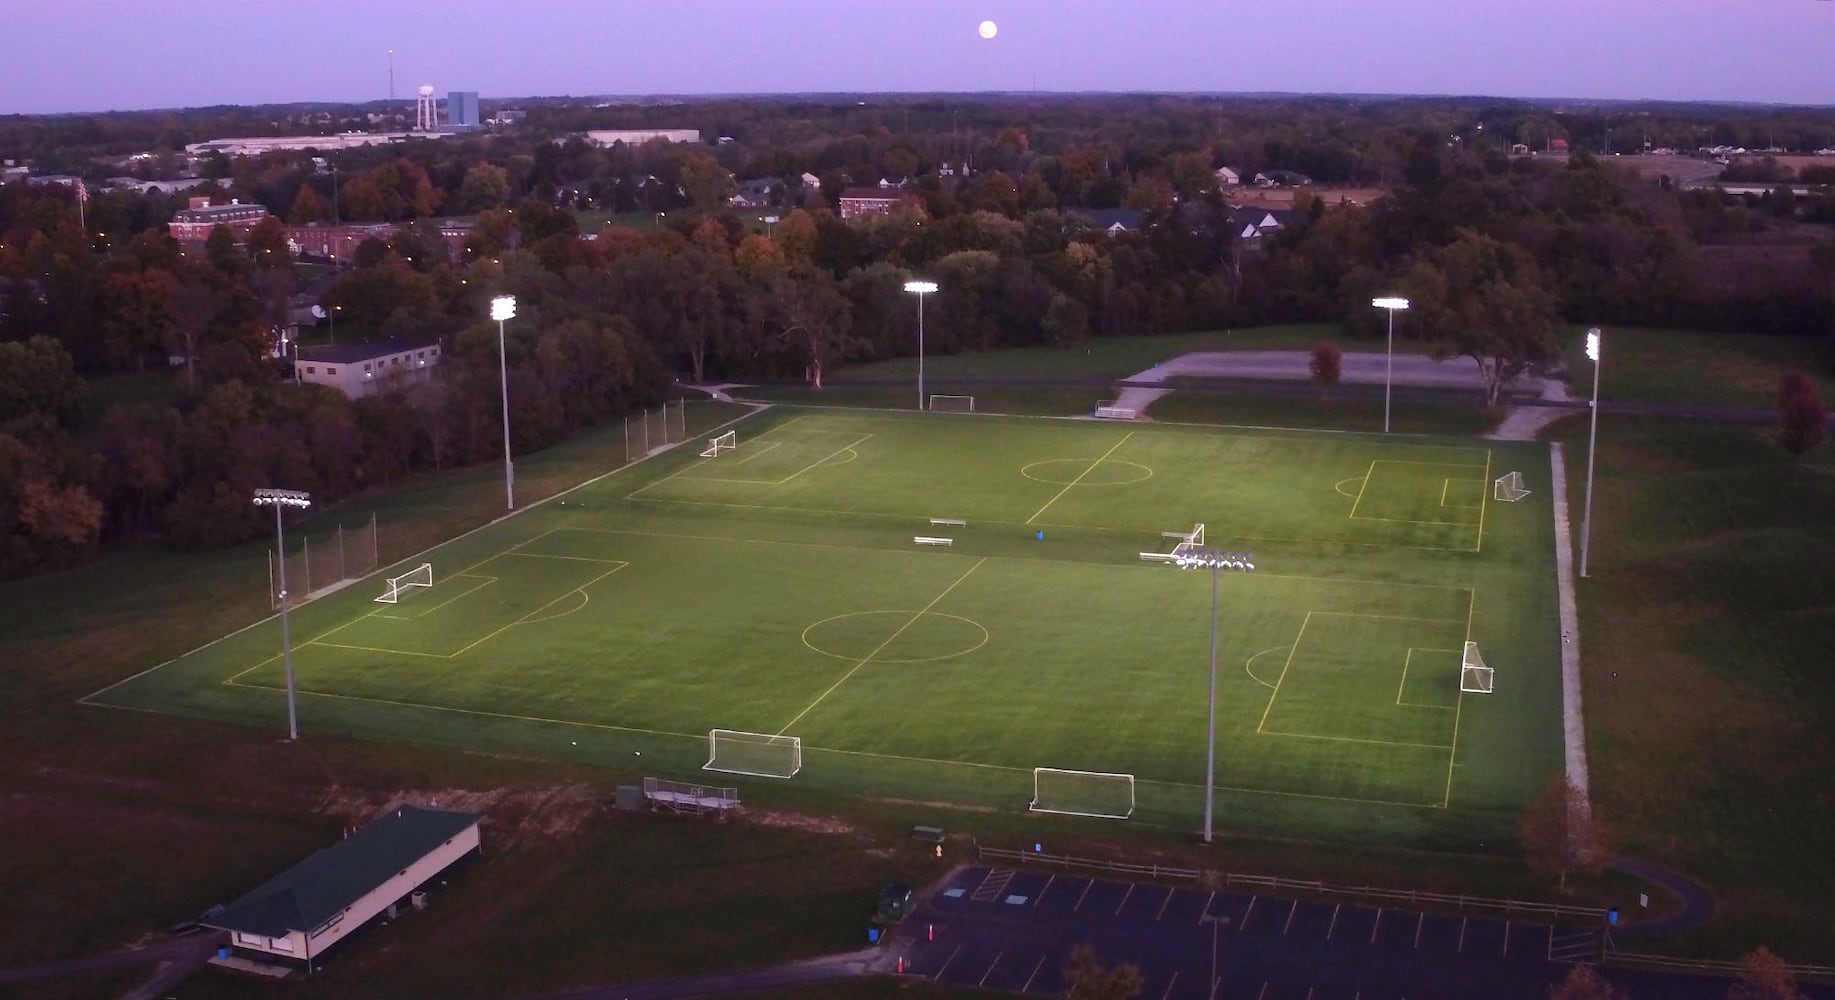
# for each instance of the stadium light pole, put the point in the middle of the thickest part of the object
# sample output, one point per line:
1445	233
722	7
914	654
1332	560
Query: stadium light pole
920	289
503	307
1217	563
1392	305
278	499
1586	522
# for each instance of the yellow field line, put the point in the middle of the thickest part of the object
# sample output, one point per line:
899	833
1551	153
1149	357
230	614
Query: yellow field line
823	459
545	555
1396	618
881	647
374	649
488	580
769	445
1402	687
1353	739
1361	490
493	634
1452	755
1484	497
1092	468
1278	681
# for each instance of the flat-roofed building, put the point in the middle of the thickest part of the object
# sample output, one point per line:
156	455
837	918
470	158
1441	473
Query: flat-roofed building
359	370
305	910
857	202
639	136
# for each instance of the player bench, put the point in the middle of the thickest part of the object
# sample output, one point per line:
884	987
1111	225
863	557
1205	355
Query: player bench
1107	410
933	540
927	834
950	522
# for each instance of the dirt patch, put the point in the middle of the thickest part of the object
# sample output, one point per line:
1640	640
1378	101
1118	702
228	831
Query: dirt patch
514	818
928	804
826	825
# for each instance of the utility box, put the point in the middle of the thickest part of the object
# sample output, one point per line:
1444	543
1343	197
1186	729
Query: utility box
630	798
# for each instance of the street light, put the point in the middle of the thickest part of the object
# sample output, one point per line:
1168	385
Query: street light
1217	563
1390	304
1586	522
503	307
920	289
278	499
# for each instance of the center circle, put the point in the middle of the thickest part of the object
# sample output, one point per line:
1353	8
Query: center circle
1085	472
895	636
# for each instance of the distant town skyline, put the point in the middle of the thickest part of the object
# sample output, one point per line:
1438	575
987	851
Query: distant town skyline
100	55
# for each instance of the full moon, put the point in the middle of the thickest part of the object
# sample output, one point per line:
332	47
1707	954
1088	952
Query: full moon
988	29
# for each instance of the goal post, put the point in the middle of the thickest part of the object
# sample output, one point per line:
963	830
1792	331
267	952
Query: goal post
720	443
1474	676
952	404
419	576
1510	487
1095	794
760	755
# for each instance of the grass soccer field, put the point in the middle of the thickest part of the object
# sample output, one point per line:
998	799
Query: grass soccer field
777	589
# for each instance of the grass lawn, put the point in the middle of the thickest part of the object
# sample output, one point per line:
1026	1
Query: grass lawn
1706	626
1044	401
1113	357
1342	413
1682	366
776	590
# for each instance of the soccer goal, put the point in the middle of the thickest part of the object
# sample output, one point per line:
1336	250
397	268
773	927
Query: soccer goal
1510	487
952	404
1183	542
419	576
1082	793
1474	676
757	754
716	445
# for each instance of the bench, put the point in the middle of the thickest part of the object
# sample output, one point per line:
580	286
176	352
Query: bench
1115	413
932	540
953	522
927	834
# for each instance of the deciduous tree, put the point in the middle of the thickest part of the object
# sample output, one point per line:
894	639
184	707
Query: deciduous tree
1484	299
1327	364
1561	833
1089	979
1764	976
1584	982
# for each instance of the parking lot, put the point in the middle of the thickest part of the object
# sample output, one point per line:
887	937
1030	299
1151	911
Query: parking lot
1012	930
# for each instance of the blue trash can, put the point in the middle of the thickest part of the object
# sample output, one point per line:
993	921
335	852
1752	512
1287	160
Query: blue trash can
872	935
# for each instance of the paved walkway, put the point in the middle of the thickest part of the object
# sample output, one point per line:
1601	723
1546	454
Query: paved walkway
1572	723
828	969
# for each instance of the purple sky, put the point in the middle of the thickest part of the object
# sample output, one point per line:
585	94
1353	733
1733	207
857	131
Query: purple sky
84	55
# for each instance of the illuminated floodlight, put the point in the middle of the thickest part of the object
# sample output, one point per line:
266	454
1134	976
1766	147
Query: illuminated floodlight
1593	344
503	307
920	287
287	498
1390	302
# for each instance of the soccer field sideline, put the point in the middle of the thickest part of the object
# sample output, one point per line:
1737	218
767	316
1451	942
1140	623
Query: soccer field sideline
1080	522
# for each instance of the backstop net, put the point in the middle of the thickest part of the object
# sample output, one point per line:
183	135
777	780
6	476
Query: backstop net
1082	793
1474	676
758	754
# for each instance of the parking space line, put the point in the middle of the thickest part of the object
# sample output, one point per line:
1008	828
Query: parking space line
1506	950
1461	948
952	957
1035	974
1334	925
1086	891
984	976
1169	983
1245	914
1379	925
1042	892
1162	915
1420	921
1208	900
1295	908
1259	994
1124	898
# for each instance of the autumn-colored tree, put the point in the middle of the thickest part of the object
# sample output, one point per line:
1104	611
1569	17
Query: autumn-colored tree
1089	979
195	306
796	236
1327	364
1484	299
1584	982
1561	833
1764	976
486	185
1802	419
309	206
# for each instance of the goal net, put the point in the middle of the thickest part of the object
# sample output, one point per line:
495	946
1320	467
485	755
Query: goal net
758	754
1082	793
724	442
1183	542
419	576
1474	676
1510	487
952	404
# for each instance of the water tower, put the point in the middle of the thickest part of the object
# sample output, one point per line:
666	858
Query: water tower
426	110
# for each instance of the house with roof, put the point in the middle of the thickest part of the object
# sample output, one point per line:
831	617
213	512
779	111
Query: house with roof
1254	224
363	369
304	911
1113	221
758	193
1228	177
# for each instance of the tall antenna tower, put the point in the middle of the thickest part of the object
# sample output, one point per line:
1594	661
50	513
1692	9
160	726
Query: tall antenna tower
391	76
426	110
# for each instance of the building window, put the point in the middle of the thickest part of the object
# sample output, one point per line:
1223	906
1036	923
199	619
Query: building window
281	944
330	371
310	370
366	366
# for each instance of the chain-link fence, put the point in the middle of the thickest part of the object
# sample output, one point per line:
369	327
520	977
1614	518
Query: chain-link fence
654	430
